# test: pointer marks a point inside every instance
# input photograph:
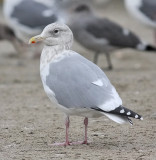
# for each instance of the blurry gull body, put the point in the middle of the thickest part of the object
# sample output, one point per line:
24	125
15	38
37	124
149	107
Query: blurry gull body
28	17
78	86
6	33
143	10
98	34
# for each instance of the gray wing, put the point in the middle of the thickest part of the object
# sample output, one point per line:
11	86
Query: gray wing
114	33
78	82
33	14
148	8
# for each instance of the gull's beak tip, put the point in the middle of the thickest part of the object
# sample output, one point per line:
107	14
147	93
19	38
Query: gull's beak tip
36	39
32	40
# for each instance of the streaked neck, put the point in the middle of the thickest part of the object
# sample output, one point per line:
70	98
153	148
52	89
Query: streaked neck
49	53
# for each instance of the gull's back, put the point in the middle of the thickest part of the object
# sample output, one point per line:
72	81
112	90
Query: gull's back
89	86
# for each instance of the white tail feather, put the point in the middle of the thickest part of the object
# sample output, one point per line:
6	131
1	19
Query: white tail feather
116	118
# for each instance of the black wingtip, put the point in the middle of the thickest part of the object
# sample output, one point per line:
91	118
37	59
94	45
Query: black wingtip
121	110
150	48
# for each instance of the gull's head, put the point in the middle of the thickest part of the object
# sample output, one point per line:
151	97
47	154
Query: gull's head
71	10
55	34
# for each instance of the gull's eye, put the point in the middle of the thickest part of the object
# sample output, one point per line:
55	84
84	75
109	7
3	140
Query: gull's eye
56	31
82	8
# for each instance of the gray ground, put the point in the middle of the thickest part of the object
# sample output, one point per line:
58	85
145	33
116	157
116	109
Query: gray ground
29	122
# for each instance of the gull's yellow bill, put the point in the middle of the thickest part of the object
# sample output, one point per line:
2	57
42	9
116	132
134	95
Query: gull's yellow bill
32	40
35	39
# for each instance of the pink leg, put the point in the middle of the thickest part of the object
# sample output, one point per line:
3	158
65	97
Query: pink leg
67	131
66	143
86	125
85	138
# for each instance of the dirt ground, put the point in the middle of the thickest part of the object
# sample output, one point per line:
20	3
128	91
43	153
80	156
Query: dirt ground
29	122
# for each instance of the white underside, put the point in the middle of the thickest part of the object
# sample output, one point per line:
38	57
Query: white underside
90	113
83	112
116	118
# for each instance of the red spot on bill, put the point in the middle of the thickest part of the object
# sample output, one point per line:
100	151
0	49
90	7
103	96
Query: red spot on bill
33	42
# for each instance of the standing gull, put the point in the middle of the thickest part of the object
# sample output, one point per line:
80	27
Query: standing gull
98	34
143	10
78	86
28	17
6	33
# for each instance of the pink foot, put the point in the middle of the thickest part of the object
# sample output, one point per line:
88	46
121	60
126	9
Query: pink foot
70	143
60	144
79	142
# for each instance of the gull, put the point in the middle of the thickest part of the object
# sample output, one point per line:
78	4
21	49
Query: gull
78	86
99	35
6	33
143	10
28	17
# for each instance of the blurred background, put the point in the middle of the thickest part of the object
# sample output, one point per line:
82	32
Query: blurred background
13	12
27	119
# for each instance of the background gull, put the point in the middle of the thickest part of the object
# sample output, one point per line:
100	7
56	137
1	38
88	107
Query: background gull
143	10
77	85
6	33
28	17
98	34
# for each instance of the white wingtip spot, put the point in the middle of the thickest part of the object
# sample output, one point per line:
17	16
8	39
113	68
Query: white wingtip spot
47	13
125	32
141	118
136	116
128	113
122	111
141	47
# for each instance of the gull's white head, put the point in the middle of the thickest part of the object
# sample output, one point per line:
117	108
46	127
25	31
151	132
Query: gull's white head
55	34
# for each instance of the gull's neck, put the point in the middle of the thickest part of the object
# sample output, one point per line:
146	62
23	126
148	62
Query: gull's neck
53	50
50	53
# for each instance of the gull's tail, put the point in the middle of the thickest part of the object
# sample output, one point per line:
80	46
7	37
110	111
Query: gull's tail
146	47
150	48
121	115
